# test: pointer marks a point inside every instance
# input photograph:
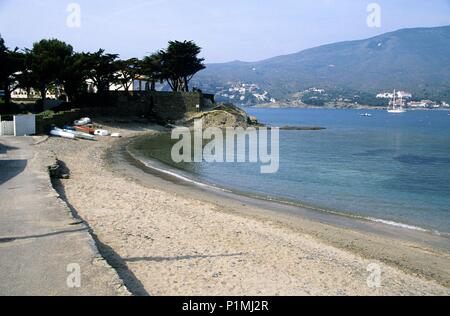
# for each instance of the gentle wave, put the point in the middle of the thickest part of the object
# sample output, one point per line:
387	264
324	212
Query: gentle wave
173	174
372	219
176	175
396	224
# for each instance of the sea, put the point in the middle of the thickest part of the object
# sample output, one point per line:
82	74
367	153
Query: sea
389	168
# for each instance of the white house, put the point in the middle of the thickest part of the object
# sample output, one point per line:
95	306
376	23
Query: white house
385	95
404	95
317	90
20	94
398	94
423	104
137	85
419	104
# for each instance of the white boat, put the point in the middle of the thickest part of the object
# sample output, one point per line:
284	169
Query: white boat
83	121
396	106
77	134
101	132
80	135
61	133
396	111
366	114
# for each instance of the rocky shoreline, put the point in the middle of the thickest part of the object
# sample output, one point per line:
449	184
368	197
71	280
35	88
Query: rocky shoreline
300	105
302	128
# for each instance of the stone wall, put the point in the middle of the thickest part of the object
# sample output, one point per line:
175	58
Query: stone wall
45	122
165	106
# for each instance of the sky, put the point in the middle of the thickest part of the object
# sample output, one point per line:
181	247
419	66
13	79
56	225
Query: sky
247	30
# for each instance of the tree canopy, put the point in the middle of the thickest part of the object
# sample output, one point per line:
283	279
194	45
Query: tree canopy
128	71
180	62
53	63
11	63
74	75
151	68
102	69
2	48
47	61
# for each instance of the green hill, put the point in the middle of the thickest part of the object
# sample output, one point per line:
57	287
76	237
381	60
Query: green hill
416	60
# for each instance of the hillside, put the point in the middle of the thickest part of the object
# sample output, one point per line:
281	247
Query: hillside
416	60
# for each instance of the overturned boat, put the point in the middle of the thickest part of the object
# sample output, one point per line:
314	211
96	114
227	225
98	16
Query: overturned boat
60	133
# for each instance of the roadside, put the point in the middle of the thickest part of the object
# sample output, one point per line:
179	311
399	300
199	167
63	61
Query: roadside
44	250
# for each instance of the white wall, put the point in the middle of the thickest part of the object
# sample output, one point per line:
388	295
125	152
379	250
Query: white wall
6	128
24	125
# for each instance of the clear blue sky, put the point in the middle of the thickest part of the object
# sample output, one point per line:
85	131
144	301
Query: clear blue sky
228	30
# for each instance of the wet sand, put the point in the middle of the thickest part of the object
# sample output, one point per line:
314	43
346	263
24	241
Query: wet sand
168	238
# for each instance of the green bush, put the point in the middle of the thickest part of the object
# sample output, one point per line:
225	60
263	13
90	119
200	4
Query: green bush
47	114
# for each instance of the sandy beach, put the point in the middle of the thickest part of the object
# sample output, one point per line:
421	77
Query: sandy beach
164	239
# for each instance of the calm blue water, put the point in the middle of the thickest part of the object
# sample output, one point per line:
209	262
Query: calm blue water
391	167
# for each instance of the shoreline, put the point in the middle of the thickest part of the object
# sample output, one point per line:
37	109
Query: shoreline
296	216
293	213
172	172
356	108
169	235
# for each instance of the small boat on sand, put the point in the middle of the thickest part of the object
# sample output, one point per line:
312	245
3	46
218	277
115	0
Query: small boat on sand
85	129
76	134
61	133
101	132
80	135
83	121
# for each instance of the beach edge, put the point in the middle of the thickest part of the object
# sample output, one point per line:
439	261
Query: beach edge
407	252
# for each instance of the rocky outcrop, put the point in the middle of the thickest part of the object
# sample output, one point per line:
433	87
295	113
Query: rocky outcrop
302	128
222	116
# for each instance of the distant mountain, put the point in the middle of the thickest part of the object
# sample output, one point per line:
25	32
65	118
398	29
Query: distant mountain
415	60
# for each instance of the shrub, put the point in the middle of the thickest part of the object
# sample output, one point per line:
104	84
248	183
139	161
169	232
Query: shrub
47	114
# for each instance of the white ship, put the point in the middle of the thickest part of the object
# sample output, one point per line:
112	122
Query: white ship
396	105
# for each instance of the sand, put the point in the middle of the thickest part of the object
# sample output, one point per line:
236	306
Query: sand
163	242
